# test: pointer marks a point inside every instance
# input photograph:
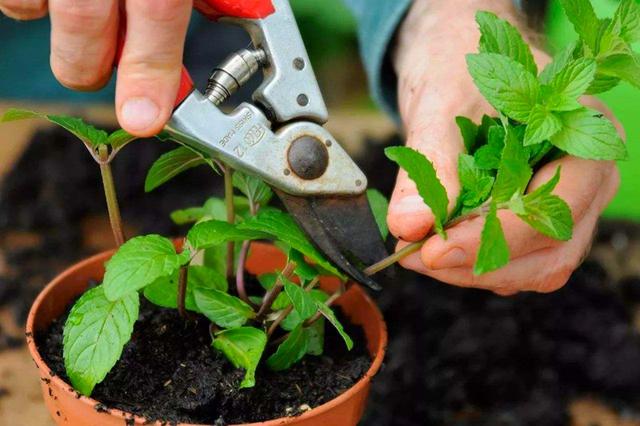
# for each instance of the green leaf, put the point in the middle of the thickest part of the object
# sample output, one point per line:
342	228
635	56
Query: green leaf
282	301
328	313
423	174
584	20
627	21
488	156
170	165
548	214
267	281
469	131
505	83
243	347
120	138
499	36
542	125
303	270
138	263
294	319
588	134
574	79
213	209
622	66
282	227
493	252
602	83
95	334
221	308
215	232
302	301
252	187
476	183
514	172
560	61
315	332
379	206
164	291
83	131
290	351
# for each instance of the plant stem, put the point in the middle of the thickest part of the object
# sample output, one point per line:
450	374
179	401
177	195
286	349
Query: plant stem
231	214
283	314
414	247
182	290
271	295
110	195
240	283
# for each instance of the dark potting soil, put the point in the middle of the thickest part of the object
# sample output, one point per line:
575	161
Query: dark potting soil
168	371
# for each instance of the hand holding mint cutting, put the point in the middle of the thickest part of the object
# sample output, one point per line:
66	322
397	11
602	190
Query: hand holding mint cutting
521	191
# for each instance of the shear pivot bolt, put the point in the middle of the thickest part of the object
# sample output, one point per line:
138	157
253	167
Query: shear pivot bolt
308	157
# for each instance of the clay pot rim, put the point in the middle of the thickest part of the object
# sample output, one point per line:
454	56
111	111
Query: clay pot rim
68	388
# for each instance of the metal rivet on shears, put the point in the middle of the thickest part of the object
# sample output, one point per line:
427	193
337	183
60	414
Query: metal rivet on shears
303	100
298	63
327	142
308	157
358	182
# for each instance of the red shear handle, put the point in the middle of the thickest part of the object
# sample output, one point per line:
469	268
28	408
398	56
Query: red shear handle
212	9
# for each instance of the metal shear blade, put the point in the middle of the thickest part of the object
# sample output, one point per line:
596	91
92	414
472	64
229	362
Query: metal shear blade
343	228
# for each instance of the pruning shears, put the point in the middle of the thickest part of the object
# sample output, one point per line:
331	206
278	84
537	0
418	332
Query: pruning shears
279	136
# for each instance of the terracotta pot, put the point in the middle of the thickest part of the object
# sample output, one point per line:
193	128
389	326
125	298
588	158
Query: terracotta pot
68	408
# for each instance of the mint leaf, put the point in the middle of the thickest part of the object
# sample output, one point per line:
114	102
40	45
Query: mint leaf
302	301
588	134
573	80
505	83
584	20
328	313
221	308
303	270
267	281
214	208
294	319
215	232
542	125
624	66
379	206
87	133
118	139
164	291
560	61
499	36
290	351
493	252
423	174
138	263
514	172
469	131
315	332
476	183
548	214
242	346
282	227
95	334
627	21
252	187
170	165
488	156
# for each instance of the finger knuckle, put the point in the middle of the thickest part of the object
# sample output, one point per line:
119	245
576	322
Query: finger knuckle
81	15
162	10
71	73
554	281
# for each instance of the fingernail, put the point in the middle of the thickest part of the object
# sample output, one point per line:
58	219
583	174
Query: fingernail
409	204
139	113
454	258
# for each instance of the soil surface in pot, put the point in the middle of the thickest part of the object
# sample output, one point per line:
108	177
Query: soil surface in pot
169	372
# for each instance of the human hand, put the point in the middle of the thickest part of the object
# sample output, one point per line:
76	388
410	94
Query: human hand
84	38
434	87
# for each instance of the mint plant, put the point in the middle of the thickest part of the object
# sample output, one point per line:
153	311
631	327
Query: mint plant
103	148
540	119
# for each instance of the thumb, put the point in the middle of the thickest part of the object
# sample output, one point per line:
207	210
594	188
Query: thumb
439	139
